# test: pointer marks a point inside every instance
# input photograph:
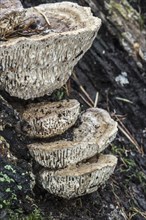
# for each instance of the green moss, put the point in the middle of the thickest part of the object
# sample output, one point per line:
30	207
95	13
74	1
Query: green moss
6	203
119	151
8	167
5	178
8	190
36	215
124	9
59	94
19	187
129	168
18	215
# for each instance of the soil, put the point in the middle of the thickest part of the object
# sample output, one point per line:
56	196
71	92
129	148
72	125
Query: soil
124	195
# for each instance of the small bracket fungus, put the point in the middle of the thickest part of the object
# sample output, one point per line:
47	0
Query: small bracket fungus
37	65
80	179
74	176
50	119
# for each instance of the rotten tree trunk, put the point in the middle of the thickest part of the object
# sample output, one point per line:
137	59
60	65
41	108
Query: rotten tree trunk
123	22
120	48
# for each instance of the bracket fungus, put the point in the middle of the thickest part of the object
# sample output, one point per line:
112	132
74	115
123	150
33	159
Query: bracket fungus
50	119
37	65
79	180
38	62
72	169
93	135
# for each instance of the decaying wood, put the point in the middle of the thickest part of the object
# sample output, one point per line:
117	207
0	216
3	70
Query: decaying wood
111	59
123	21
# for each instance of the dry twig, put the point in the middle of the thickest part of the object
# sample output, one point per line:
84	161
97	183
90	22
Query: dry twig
96	100
88	103
45	17
129	136
82	89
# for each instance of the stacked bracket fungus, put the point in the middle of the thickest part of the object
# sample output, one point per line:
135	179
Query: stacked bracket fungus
39	59
94	133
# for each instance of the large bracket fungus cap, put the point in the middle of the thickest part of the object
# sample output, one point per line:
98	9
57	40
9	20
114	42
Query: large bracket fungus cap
37	65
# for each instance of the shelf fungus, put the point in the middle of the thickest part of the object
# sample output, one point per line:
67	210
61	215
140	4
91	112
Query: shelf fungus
49	119
80	179
39	48
32	66
94	134
70	170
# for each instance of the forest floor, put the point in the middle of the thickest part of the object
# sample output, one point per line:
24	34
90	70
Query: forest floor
124	195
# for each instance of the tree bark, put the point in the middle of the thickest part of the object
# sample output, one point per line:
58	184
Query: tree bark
114	53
